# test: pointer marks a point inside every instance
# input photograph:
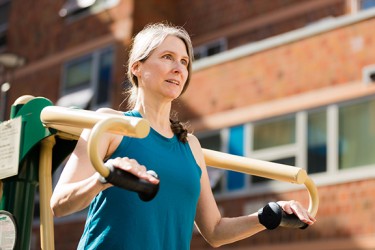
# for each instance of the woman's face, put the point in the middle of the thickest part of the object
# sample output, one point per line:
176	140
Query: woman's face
165	71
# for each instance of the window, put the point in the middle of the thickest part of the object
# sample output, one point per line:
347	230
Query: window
305	140
213	141
4	16
317	142
357	134
274	133
87	80
274	140
330	142
366	4
78	73
210	49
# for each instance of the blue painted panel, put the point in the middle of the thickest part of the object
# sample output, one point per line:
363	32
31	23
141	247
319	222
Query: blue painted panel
236	180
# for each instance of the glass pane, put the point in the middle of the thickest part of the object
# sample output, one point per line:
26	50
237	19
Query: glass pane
4	13
211	141
215	49
357	135
366	4
216	175
274	133
317	142
198	55
291	161
105	77
3	39
78	73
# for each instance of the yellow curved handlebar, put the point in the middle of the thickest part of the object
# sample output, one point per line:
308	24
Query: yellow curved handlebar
139	130
68	120
265	169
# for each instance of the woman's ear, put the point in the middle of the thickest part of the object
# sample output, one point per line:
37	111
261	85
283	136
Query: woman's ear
135	69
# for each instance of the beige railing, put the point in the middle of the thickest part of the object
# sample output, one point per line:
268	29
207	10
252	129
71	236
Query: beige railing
70	122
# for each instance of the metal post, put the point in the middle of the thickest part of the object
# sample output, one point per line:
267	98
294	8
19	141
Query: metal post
45	192
19	191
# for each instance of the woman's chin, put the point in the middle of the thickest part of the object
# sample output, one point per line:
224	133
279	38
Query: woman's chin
173	95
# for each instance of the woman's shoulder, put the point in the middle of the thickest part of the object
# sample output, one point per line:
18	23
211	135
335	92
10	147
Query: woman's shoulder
192	139
114	140
196	148
109	111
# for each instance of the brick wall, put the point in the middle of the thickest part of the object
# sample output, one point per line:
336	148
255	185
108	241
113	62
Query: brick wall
346	211
40	32
328	59
45	40
247	21
47	37
324	60
218	14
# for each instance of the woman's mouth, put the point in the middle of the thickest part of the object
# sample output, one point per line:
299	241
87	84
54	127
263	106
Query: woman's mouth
173	82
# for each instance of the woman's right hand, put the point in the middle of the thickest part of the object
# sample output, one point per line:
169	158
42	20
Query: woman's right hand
133	167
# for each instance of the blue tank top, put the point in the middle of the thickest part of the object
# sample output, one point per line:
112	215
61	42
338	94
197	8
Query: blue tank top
118	219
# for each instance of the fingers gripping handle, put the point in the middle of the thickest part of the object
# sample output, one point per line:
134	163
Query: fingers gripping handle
118	177
272	215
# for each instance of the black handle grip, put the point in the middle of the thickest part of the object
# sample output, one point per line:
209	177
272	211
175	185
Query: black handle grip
272	216
118	177
292	221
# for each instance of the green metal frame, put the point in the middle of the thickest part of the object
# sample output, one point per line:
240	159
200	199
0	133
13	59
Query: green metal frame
19	191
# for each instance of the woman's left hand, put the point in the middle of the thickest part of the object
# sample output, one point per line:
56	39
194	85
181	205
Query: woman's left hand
294	207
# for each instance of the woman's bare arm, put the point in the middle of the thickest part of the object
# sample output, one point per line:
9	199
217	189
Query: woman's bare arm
218	230
78	183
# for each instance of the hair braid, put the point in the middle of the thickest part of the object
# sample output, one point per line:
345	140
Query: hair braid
179	129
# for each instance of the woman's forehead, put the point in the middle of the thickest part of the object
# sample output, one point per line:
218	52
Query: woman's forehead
173	44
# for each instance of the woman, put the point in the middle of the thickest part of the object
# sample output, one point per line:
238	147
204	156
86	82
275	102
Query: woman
159	69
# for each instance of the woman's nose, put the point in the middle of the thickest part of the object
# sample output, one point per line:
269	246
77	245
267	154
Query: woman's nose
178	67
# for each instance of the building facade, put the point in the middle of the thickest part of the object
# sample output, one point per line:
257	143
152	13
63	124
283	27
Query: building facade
284	81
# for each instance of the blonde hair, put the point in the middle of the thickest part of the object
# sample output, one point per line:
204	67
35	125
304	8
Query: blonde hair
145	42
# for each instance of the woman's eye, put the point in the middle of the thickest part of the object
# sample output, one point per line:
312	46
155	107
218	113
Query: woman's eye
169	57
184	62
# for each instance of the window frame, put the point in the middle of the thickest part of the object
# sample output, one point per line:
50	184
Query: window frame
94	76
332	175
203	49
223	135
4	27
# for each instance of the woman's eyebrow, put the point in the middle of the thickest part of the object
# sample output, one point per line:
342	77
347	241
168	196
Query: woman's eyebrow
174	53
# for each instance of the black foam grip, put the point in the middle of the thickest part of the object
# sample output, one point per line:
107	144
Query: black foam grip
272	215
146	190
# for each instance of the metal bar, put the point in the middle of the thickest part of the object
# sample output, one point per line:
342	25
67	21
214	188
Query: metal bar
68	120
72	120
250	166
45	190
264	169
94	140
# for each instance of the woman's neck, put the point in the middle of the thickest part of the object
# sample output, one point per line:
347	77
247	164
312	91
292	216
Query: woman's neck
157	114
